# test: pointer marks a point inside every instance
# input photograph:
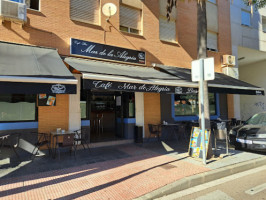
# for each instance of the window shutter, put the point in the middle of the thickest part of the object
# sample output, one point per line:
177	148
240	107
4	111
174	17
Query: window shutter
245	18
85	11
163	11
130	17
167	30
212	18
212	40
263	24
134	3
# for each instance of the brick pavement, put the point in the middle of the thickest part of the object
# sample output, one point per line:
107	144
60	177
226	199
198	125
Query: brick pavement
141	172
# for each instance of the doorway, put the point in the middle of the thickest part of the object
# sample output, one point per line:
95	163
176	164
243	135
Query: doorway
104	116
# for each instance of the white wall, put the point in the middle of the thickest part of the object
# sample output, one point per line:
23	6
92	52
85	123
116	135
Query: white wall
251	37
254	74
74	108
139	103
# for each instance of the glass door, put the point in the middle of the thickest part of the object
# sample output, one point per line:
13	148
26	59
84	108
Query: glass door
119	117
102	116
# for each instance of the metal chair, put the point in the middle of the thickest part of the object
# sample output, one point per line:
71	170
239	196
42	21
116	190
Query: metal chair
154	130
43	140
11	140
82	137
68	142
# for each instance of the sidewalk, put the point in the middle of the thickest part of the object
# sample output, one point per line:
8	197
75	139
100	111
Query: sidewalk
119	172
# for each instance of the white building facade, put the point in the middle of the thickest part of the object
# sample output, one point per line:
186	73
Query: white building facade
249	47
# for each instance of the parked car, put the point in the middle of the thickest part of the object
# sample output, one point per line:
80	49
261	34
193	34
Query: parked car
251	134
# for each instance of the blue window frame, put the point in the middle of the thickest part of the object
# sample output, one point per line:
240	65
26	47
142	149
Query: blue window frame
187	114
19	1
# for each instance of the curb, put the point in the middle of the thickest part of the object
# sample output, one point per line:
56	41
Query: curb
204	177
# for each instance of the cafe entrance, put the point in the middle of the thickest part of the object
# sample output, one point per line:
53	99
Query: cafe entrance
108	111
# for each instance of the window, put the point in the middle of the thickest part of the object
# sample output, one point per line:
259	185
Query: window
212	41
84	104
213	1
17	107
188	105
264	24
86	11
131	16
129	104
33	4
167	29
245	18
212	25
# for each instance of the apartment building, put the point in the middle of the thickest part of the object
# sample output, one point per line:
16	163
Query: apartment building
248	45
108	65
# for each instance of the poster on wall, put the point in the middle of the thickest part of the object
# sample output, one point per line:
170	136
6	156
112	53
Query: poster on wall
46	100
50	101
195	146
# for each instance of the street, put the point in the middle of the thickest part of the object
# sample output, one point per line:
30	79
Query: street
247	185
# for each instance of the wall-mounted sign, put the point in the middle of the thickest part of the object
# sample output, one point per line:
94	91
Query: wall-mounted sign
106	52
37	88
135	87
58	89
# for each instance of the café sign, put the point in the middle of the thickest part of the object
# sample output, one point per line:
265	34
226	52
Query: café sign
136	87
106	52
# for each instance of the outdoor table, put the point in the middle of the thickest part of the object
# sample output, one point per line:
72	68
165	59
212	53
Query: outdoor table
55	139
172	130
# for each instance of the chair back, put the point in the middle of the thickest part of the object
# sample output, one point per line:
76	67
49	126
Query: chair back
82	134
85	134
154	129
68	140
150	128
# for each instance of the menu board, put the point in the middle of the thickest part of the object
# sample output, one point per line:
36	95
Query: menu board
46	100
195	147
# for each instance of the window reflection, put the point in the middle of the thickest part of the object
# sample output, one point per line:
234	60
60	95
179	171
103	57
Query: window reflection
188	105
17	107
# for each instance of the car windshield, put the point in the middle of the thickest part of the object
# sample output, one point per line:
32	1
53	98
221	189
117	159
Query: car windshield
257	119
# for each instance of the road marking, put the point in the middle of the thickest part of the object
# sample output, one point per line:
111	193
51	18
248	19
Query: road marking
211	184
217	195
256	189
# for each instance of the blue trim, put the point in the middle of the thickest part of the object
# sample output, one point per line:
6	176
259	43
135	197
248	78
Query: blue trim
196	117
217	106
18	1
127	120
18	125
85	123
130	120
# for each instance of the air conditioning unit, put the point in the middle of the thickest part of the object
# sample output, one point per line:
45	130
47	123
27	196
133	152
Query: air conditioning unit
13	11
229	60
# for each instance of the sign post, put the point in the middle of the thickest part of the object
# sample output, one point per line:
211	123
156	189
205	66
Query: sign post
201	93
202	69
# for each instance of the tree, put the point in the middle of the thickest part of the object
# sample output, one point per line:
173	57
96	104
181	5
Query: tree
256	3
202	41
202	53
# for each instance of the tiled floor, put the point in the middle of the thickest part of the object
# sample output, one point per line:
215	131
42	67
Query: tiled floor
118	172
